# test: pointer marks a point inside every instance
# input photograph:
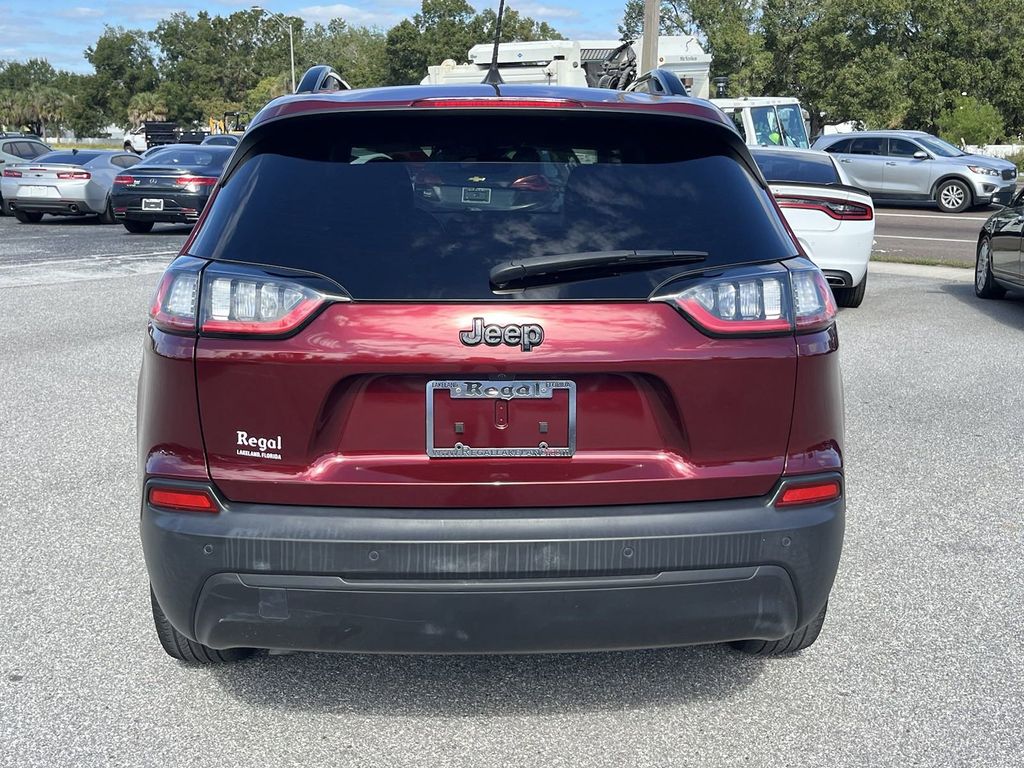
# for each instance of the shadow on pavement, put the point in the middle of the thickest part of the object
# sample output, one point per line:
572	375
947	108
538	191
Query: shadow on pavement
488	685
1009	310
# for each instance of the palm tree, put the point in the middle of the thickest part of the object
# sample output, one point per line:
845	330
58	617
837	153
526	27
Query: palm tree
146	106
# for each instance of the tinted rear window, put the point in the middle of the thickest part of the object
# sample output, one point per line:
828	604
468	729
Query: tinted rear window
782	166
213	157
423	205
69	158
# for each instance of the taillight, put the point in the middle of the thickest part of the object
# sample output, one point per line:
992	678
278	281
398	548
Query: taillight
534	183
756	300
196	181
176	302
192	500
244	301
77	175
10	173
809	493
124	179
843	210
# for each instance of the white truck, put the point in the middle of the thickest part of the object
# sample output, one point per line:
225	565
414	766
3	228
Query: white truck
761	120
573	63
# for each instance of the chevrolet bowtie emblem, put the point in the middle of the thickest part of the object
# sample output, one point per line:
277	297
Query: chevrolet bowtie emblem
477	178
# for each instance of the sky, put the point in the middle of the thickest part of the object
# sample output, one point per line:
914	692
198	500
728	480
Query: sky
60	30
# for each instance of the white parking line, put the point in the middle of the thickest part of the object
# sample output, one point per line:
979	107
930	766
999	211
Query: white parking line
948	217
929	239
90	259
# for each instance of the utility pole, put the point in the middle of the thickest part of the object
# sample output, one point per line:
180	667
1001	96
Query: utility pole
652	26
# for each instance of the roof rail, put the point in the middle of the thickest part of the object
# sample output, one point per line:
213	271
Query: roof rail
321	78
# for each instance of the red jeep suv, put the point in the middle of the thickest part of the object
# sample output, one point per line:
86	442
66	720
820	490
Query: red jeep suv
469	370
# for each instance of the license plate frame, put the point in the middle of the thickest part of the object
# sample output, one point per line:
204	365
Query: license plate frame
152	204
476	195
509	390
38	191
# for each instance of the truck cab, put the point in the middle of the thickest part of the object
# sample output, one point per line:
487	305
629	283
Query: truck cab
768	121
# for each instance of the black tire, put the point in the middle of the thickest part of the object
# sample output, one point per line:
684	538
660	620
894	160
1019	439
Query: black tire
128	147
28	217
953	196
107	217
802	638
851	297
181	648
985	286
3	206
137	227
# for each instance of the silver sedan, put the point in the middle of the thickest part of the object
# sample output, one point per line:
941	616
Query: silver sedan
64	183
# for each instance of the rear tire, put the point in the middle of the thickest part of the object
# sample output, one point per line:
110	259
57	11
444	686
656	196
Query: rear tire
953	196
985	285
851	297
107	217
181	648
27	217
138	227
3	206
802	638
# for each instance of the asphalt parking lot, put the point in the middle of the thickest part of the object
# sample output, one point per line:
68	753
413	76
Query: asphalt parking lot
926	235
919	663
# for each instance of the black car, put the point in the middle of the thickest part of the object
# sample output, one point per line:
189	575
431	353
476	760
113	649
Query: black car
171	185
998	267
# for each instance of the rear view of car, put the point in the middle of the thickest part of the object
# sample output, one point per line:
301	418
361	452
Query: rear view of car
834	221
64	183
172	185
372	420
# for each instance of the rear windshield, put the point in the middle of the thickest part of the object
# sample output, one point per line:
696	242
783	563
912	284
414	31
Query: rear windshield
192	158
422	206
782	166
68	158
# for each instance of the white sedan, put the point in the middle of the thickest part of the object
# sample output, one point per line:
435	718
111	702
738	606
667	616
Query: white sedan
833	220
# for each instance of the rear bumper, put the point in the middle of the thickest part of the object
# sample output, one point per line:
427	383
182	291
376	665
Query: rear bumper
492	581
54	206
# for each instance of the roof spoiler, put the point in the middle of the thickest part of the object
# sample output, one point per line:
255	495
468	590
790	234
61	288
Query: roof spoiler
321	78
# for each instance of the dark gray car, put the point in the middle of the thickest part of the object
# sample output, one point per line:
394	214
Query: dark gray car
913	166
998	266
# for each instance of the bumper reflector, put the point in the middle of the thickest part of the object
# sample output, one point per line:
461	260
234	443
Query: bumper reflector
810	493
182	498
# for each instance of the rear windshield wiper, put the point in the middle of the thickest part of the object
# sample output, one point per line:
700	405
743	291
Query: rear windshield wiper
566	267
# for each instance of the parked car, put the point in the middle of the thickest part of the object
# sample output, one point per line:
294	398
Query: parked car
370	423
913	166
64	183
998	266
172	186
834	221
17	148
222	140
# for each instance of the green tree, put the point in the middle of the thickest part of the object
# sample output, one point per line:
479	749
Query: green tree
124	67
358	53
406	58
971	121
146	106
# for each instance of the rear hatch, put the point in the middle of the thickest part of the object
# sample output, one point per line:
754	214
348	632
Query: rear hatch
365	342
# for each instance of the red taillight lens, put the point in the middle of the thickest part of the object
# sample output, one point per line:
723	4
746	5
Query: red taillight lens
77	175
196	181
755	301
175	303
843	210
124	179
496	101
183	498
535	183
809	493
10	173
255	303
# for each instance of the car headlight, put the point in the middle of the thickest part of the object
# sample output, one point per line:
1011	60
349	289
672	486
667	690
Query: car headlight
983	171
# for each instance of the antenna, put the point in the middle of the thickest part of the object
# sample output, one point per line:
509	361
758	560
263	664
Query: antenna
493	76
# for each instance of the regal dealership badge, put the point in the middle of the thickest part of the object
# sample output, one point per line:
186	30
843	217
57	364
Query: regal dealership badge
258	447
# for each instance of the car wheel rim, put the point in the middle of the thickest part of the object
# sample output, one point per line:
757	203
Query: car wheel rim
981	272
952	196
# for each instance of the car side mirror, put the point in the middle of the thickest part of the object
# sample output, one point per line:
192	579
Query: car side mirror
920	155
